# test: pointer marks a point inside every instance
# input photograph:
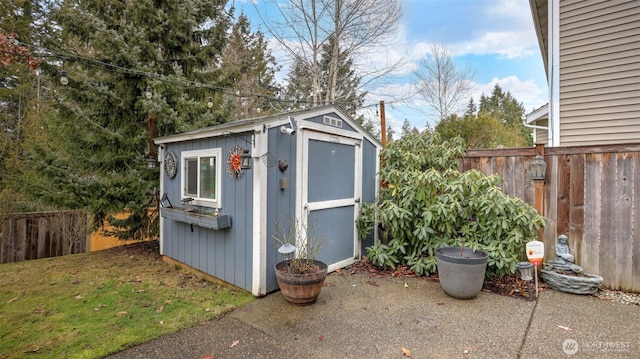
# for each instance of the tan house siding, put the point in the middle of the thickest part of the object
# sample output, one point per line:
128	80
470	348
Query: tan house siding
599	72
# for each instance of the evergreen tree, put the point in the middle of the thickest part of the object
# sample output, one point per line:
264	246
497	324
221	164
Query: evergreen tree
505	108
348	94
370	127
134	71
407	129
390	133
20	92
479	131
347	88
247	63
471	108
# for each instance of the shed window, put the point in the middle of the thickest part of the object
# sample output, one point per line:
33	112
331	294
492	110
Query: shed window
202	176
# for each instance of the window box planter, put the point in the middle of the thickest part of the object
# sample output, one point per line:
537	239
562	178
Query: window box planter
209	221
176	214
201	220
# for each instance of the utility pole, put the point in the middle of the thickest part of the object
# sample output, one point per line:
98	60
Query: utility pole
383	124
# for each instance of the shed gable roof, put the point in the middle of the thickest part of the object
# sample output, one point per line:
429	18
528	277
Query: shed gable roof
250	124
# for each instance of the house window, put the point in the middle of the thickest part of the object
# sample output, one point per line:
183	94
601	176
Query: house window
202	175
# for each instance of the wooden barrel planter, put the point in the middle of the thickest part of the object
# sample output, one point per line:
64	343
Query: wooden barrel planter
301	289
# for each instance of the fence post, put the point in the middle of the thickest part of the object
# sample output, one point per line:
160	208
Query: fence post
538	194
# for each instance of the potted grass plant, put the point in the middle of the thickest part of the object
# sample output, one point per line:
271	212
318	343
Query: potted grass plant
300	275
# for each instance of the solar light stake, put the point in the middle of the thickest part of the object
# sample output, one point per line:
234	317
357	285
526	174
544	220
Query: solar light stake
287	250
525	274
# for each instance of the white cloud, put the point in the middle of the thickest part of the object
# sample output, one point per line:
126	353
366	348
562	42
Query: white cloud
526	92
518	10
508	44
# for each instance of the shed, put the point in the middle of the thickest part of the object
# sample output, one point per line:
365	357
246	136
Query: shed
315	165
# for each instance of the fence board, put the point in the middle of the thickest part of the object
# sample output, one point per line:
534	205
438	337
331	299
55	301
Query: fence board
608	234
576	204
518	178
635	240
623	221
551	206
563	182
498	166
20	239
592	201
42	238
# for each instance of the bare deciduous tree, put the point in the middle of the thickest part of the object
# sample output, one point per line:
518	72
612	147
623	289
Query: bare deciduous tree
73	226
444	86
304	26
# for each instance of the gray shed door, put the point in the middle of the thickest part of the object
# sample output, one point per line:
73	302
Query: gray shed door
331	193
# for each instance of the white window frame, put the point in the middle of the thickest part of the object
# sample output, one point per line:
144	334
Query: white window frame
210	152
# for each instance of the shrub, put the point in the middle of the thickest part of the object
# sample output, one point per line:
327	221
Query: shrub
426	203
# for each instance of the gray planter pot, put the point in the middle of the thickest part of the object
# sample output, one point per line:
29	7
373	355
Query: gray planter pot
461	276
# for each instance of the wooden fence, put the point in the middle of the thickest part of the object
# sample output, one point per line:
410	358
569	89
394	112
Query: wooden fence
591	194
25	236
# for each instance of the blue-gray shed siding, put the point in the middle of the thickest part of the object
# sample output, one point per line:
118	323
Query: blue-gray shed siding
280	203
226	254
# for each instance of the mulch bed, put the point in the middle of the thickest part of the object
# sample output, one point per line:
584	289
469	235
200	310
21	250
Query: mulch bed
509	286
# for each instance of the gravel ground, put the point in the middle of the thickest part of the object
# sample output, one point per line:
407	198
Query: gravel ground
619	297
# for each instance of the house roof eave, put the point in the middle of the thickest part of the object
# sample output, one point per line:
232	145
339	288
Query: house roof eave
541	113
539	14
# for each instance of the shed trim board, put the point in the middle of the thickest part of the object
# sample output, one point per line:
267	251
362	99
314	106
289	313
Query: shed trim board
259	275
333	169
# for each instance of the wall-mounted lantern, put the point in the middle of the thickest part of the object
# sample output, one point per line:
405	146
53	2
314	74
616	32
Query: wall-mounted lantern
151	162
538	168
246	160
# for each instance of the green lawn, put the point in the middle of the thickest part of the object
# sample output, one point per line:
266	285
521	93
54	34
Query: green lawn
90	305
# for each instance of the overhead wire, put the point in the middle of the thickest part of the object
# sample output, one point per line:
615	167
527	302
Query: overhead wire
43	52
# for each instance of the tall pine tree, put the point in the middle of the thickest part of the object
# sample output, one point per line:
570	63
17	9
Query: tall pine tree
248	65
114	53
21	95
348	95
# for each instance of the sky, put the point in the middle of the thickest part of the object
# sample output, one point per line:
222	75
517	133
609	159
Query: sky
495	38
